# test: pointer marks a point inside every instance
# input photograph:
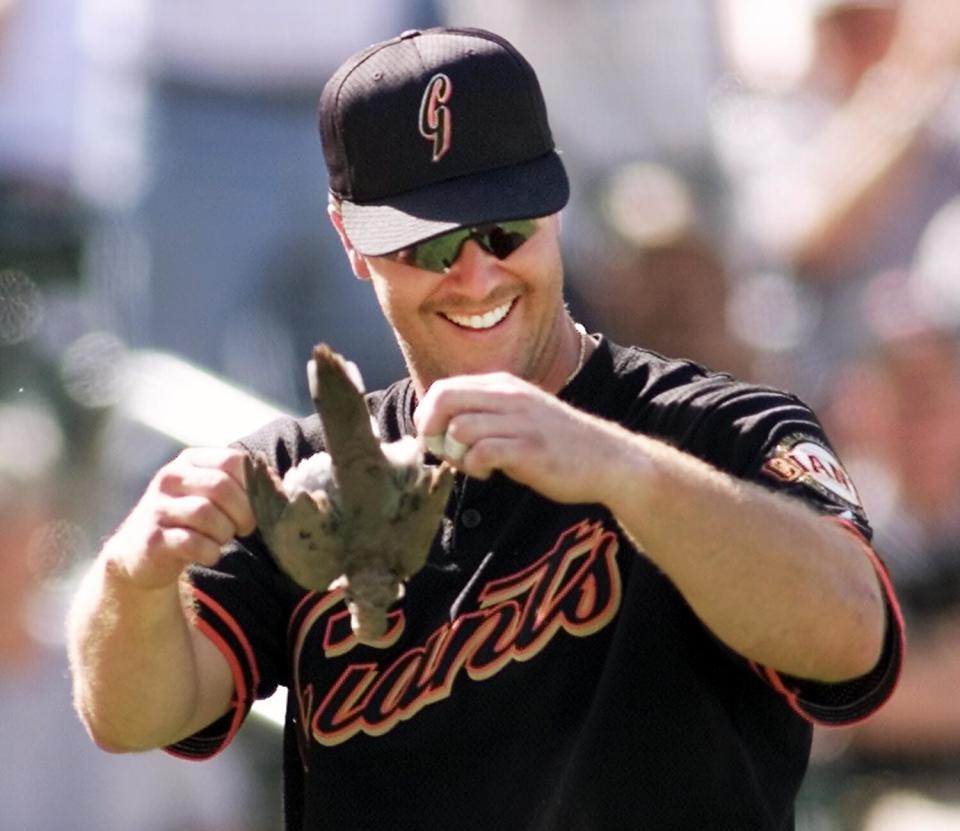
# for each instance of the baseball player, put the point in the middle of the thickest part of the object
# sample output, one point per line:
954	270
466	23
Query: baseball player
650	579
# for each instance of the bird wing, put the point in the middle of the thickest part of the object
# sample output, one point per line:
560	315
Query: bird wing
305	541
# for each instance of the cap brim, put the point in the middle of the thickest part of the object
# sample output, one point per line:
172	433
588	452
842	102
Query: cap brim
535	188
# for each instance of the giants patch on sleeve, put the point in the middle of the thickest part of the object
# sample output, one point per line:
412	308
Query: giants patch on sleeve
804	460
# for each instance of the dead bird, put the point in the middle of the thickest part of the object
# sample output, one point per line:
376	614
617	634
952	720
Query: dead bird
361	514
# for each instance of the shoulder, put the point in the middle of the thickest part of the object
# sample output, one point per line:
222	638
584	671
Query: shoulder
722	419
668	389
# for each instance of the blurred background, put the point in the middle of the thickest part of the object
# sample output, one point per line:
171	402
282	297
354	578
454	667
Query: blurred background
771	189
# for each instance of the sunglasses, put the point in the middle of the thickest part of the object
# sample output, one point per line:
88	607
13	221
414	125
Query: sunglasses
438	254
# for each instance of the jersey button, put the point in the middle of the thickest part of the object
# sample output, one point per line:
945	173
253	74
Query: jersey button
471	518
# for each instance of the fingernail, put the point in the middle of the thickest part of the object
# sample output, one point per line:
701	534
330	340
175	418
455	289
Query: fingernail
453	449
434	444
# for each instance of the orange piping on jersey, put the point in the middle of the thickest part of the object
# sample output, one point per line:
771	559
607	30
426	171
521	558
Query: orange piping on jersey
242	696
234	627
296	610
239	709
776	681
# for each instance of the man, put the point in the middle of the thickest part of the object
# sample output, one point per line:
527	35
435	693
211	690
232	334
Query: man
649	579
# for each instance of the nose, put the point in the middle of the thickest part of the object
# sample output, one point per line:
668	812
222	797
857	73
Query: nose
475	271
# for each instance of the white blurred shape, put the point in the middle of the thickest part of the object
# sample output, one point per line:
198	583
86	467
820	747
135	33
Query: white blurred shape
935	280
187	403
92	369
648	204
315	473
907	810
769	44
768	312
31	441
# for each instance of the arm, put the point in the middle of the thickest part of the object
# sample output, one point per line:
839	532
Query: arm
772	579
145	677
851	170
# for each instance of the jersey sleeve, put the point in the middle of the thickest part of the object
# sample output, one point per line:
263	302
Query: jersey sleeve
244	602
773	439
242	605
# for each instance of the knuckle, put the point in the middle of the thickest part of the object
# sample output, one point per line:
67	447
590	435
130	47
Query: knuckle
455	427
464	427
204	551
438	398
480	454
205	514
220	486
167	479
231	491
486	454
156	537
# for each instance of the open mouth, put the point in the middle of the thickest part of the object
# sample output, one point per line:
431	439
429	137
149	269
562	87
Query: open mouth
487	320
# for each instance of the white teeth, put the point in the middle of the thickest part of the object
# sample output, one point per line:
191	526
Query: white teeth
484	321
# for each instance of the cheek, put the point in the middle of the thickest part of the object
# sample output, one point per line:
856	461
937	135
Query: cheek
388	296
400	305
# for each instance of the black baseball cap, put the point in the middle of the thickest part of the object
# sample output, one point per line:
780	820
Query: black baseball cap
435	130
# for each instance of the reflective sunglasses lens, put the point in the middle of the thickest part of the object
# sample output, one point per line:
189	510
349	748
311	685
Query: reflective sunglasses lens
504	238
439	253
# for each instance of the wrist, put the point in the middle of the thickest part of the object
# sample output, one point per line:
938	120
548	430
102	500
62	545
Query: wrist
631	472
118	577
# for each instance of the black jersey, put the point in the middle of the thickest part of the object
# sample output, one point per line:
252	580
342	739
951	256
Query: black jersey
541	672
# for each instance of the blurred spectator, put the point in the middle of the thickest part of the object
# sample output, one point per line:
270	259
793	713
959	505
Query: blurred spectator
50	499
40	221
226	255
54	777
894	417
654	276
836	179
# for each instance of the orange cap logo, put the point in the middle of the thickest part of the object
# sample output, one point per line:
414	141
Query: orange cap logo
435	118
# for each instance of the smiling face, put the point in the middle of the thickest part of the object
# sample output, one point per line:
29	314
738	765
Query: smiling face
483	314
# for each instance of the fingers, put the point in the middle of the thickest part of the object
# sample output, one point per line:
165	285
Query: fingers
480	442
445	446
450	399
498	422
197	515
452	448
209	484
193	506
435	443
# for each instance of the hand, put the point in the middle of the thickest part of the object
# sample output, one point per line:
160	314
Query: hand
193	506
482	423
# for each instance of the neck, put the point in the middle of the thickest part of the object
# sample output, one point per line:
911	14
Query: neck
574	347
567	350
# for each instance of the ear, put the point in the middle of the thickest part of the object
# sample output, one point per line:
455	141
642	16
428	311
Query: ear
357	261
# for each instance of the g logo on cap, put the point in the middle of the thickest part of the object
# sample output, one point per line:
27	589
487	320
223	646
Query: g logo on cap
435	118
